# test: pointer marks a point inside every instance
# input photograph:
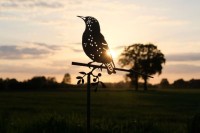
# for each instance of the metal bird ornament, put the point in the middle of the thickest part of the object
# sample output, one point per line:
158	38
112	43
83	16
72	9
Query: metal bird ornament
94	44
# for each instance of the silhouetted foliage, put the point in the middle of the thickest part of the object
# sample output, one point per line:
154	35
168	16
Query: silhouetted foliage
50	83
164	83
35	83
180	83
194	83
67	78
2	84
143	58
7	84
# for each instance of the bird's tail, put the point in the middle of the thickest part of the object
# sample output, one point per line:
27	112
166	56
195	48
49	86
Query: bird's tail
110	67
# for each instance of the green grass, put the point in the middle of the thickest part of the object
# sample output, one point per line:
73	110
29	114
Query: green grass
159	111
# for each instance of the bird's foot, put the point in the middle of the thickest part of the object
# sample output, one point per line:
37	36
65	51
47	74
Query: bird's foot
89	64
101	67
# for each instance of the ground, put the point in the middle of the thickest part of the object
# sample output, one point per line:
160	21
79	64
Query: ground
154	111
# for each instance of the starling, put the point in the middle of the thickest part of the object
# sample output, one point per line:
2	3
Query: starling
94	44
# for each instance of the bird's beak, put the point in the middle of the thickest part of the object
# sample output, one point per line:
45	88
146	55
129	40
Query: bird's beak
81	17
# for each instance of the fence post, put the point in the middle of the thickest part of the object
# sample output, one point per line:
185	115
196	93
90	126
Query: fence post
88	102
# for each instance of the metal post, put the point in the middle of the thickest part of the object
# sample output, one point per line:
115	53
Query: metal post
88	85
88	102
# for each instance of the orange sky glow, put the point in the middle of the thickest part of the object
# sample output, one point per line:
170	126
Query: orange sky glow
43	37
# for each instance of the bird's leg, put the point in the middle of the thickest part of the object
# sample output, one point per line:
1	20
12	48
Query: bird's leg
89	64
100	67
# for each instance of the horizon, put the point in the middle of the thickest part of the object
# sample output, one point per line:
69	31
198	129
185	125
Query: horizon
40	38
60	82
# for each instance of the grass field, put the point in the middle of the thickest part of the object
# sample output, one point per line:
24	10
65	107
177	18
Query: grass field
158	111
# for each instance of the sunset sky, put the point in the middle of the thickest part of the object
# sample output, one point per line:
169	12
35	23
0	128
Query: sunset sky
43	37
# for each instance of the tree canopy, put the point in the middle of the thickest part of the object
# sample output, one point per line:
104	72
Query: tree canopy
66	79
143	58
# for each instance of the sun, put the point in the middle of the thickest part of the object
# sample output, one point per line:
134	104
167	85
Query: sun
112	53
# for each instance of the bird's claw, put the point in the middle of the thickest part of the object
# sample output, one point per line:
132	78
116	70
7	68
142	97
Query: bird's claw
89	64
100	67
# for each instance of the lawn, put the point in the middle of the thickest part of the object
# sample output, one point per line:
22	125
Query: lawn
155	111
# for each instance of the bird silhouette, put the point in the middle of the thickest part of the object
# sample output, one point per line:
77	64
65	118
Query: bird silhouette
94	44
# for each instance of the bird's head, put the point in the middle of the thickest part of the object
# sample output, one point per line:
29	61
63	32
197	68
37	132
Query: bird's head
91	23
82	17
87	18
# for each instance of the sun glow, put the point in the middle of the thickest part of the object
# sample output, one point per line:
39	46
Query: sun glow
112	53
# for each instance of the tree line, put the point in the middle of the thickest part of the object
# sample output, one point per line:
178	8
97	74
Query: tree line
180	84
35	83
50	83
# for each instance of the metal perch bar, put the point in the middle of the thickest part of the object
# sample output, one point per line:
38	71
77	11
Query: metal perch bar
103	67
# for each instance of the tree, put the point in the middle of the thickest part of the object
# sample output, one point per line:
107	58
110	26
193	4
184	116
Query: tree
180	83
164	83
51	82
194	83
37	82
2	84
143	58
130	57
66	79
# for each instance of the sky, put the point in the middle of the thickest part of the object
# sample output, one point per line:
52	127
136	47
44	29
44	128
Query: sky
43	37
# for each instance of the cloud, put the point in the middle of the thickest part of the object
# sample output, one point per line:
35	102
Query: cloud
76	50
8	5
16	52
29	51
183	57
73	48
76	43
182	69
30	4
119	47
24	68
161	20
30	10
45	4
48	46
